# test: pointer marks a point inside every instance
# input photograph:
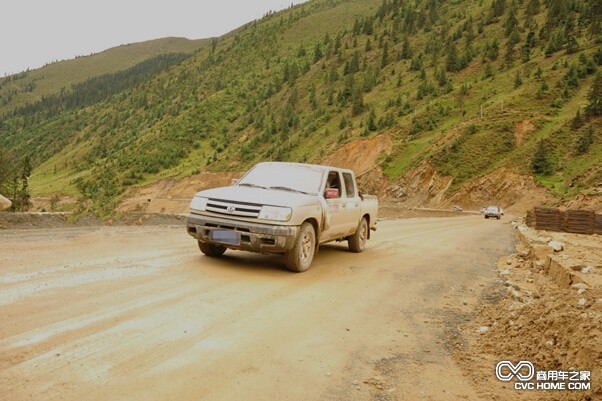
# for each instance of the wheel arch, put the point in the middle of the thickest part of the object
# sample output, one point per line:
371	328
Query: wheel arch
314	222
367	217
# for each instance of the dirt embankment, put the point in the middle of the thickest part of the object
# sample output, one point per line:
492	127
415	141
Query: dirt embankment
514	192
171	195
361	156
545	308
424	187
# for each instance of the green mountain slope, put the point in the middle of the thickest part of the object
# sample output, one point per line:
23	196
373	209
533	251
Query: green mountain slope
449	82
30	86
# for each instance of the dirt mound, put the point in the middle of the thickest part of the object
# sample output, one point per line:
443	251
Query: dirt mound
591	201
172	195
514	192
373	182
361	155
421	187
529	314
4	203
424	187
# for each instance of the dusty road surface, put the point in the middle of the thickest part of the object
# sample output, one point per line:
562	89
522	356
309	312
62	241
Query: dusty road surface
137	313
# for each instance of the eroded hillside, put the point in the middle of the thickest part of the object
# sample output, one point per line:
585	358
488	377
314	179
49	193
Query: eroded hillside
474	94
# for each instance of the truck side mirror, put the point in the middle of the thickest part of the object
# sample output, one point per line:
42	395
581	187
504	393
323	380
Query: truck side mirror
332	193
234	181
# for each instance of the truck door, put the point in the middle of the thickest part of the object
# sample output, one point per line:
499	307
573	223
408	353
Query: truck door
351	204
337	228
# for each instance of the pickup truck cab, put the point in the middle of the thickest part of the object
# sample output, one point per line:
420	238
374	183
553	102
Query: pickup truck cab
283	208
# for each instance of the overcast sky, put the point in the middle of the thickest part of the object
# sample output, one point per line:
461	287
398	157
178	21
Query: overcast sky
36	32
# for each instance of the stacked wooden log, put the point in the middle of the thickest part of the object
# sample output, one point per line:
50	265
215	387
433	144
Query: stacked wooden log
598	228
571	221
580	221
549	219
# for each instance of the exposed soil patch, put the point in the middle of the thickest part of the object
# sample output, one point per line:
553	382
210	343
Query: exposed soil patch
530	315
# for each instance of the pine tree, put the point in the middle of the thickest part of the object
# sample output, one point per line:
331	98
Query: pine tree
594	97
577	121
541	163
517	80
372	121
24	196
585	141
451	61
497	8
318	53
406	49
385	59
357	102
532	7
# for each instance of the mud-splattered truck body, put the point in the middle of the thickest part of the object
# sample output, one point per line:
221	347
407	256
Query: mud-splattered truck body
284	208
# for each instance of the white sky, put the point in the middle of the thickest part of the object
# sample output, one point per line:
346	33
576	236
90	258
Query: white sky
36	32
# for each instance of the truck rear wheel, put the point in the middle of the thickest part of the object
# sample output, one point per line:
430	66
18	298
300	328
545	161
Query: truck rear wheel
212	250
357	241
300	257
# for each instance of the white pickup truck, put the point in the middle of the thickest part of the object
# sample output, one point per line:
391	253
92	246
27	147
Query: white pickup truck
283	208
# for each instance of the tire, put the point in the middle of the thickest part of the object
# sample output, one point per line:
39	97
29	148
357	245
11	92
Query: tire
212	250
486	217
300	257
357	242
499	217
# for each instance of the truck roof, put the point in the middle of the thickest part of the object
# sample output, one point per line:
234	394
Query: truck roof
316	166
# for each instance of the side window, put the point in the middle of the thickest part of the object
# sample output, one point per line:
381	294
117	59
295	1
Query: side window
334	182
349	187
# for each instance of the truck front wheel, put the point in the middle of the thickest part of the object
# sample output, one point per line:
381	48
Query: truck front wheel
357	241
300	257
211	250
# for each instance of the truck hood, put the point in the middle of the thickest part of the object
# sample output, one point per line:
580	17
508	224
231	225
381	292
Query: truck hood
260	196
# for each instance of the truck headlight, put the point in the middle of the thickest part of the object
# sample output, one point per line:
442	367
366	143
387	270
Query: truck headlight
198	203
275	213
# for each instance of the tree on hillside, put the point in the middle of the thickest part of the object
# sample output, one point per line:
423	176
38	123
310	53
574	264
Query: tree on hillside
4	171
385	58
586	140
513	39
595	14
406	49
357	102
451	61
541	164
511	23
24	196
497	10
532	7
527	47
594	97
318	53
577	121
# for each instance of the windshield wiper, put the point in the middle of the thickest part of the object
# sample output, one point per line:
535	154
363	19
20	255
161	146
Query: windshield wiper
247	184
290	190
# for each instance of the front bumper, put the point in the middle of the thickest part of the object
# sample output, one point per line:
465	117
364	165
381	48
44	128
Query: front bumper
254	237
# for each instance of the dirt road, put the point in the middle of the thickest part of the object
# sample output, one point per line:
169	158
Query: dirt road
137	313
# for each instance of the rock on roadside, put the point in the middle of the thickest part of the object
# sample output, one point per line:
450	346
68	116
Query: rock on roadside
4	203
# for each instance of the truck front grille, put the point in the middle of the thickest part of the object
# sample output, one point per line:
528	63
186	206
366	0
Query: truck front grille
230	208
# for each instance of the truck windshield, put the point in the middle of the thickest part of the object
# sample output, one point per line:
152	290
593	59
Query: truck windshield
300	178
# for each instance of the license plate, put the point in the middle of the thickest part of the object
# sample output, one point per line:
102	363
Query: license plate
225	237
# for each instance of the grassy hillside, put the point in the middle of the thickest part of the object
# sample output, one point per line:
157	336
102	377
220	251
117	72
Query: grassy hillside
31	86
470	85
